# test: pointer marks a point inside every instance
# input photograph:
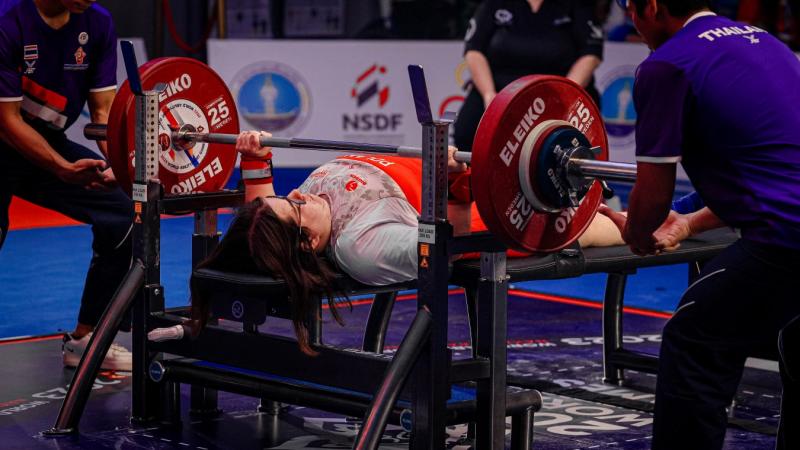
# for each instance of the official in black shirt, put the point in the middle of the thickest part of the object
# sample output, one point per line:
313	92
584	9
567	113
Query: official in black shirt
507	39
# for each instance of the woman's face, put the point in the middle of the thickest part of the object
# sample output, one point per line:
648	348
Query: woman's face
314	216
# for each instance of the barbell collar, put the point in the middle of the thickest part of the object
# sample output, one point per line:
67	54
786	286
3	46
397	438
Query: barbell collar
604	170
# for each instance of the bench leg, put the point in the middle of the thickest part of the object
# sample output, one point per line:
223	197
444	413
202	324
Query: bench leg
378	322
471	294
491	344
522	430
203	403
612	326
270	407
171	407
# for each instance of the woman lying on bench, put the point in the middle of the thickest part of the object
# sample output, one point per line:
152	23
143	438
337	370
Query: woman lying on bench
356	214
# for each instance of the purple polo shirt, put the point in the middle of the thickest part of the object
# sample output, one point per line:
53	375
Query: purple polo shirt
723	98
52	71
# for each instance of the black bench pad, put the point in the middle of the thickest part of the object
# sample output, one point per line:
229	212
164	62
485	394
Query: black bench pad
572	262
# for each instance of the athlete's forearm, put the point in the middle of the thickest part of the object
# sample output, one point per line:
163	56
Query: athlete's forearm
582	70
481	73
253	191
20	136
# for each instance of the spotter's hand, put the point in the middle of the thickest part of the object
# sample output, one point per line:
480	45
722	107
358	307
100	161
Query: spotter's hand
107	182
83	172
674	229
649	247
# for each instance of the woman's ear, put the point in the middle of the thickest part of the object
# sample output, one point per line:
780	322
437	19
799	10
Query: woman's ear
310	245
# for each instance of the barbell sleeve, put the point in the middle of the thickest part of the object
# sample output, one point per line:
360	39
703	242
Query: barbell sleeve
95	131
606	170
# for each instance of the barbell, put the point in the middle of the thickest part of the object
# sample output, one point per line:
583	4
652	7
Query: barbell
183	138
539	159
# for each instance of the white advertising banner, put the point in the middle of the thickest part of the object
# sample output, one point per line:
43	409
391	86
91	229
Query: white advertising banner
359	90
614	79
340	90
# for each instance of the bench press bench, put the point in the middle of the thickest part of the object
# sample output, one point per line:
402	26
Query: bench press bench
251	298
254	362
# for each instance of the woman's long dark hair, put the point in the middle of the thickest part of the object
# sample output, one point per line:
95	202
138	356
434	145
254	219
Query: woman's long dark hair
259	242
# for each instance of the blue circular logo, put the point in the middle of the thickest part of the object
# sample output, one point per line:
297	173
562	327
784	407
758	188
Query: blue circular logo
616	101
407	420
156	371
237	309
272	97
618	110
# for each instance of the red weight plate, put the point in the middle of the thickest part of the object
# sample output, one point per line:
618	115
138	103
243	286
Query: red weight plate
505	125
195	97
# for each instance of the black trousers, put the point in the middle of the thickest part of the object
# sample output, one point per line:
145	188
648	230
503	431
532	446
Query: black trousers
789	348
110	213
735	309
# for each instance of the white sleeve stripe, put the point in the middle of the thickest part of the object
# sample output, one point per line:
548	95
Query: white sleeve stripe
10	99
101	89
658	159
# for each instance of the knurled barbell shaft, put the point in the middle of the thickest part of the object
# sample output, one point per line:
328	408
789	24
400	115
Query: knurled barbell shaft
97	132
317	144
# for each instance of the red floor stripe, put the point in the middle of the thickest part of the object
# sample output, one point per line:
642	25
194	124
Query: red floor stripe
25	340
400	298
585	303
538	296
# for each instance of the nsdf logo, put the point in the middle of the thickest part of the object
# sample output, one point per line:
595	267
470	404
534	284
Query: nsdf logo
370	93
366	87
617	106
272	96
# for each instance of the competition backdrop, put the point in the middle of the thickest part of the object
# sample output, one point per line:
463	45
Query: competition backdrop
359	90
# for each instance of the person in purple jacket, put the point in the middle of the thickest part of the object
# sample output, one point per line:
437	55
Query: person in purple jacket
723	99
55	56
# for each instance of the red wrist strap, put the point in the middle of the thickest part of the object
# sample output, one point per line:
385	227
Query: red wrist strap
256	171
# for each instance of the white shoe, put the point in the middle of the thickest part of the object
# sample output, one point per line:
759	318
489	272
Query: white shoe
117	358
